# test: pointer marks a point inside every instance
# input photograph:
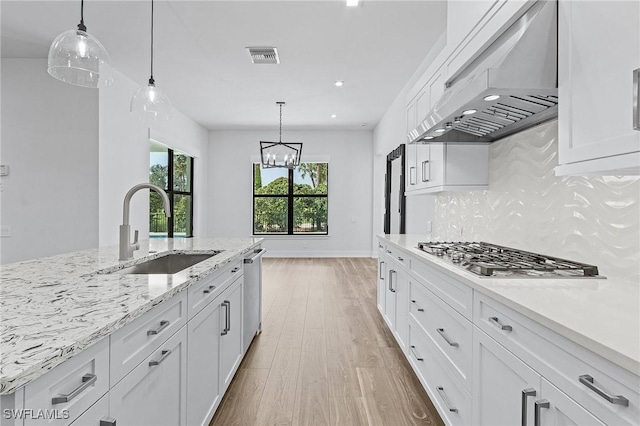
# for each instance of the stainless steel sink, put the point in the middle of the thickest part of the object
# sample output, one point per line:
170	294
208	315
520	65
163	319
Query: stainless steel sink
168	264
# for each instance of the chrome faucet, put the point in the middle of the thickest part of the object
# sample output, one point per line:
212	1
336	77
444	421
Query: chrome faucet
126	246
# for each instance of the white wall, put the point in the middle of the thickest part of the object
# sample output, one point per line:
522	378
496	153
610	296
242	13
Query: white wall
124	159
350	190
50	142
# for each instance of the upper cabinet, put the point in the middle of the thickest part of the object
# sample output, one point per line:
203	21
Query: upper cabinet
599	50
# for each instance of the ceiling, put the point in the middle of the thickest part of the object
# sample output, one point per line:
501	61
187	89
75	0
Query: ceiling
202	64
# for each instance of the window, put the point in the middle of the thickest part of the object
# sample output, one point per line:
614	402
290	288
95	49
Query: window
291	202
172	171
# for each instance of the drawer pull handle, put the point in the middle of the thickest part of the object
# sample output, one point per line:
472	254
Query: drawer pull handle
441	332
636	99
497	322
587	380
107	421
446	400
415	354
417	306
391	273
163	324
258	253
542	403
401	259
165	354
209	289
87	380
523	407
380	246
227	309
236	269
382	270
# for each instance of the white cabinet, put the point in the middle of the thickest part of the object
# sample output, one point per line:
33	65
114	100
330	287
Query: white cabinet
252	294
155	392
596	87
396	300
382	281
231	333
504	387
203	372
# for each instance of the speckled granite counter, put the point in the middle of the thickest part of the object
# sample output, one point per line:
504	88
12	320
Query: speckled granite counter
54	307
603	315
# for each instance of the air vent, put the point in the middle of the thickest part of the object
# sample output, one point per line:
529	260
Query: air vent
264	55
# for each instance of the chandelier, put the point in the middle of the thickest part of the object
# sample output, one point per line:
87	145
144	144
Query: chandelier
280	154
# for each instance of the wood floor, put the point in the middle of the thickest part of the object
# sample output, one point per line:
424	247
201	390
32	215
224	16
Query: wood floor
325	356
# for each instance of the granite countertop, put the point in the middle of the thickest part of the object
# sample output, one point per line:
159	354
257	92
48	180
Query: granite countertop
602	315
54	307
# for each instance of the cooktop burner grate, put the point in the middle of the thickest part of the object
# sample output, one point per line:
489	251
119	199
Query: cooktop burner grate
489	260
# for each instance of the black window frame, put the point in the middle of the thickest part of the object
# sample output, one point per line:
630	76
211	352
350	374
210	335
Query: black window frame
290	198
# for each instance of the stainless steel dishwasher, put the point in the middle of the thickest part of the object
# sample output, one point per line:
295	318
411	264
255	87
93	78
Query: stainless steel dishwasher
252	303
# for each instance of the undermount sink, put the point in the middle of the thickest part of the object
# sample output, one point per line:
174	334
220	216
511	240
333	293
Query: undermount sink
168	264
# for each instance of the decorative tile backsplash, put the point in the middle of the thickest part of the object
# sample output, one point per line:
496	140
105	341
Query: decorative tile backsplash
588	219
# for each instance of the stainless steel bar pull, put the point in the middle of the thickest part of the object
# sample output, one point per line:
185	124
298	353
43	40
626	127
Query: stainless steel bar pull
542	403
588	381
87	380
412	175
415	354
165	354
209	289
426	171
163	324
497	322
636	99
382	270
440	390
441	333
226	318
258	254
417	306
526	393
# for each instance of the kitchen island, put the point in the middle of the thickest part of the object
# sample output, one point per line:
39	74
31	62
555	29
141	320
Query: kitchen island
56	308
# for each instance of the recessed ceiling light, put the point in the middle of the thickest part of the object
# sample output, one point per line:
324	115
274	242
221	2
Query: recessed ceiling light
352	3
339	83
469	111
439	130
491	97
428	138
333	116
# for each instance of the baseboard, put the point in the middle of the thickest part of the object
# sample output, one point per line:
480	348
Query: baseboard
316	253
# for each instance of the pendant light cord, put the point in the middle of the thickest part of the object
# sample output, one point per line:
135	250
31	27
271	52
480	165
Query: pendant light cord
151	80
281	123
81	25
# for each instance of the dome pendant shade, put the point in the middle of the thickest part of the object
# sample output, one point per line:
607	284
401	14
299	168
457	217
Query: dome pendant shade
151	104
78	58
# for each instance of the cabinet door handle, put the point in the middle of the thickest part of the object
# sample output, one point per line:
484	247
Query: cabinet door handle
87	380
226	317
441	333
389	251
236	269
497	322
107	421
542	403
258	254
636	99
381	271
412	175
163	324
401	259
415	354
165	354
417	306
440	390
391	274
426	171
526	393
588	381
209	289
380	246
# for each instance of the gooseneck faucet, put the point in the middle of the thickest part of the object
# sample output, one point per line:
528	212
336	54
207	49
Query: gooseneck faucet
126	246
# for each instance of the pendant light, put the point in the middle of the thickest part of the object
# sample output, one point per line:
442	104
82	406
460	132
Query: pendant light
149	102
76	57
280	154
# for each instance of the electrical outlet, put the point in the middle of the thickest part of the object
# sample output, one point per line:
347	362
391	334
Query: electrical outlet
4	170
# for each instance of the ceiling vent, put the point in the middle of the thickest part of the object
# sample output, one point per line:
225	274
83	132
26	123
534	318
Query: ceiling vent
264	55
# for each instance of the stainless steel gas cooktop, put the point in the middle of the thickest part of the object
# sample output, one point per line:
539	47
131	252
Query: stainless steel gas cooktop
490	260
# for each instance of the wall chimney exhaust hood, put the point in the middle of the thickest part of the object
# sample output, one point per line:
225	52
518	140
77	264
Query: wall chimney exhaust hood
511	86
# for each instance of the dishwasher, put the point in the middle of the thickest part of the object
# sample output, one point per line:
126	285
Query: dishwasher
252	299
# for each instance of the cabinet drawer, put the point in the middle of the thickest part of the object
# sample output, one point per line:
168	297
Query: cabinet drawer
137	340
562	362
451	399
450	332
200	294
81	380
397	255
454	293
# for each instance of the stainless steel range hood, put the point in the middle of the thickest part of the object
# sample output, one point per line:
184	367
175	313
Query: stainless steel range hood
512	85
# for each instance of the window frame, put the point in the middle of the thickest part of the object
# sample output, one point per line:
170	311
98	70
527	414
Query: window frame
290	196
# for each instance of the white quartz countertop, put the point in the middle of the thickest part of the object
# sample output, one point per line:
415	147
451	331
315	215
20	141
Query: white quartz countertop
54	307
602	315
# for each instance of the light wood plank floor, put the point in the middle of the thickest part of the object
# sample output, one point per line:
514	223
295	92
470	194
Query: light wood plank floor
325	355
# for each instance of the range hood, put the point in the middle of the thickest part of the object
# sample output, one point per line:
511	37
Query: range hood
511	86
